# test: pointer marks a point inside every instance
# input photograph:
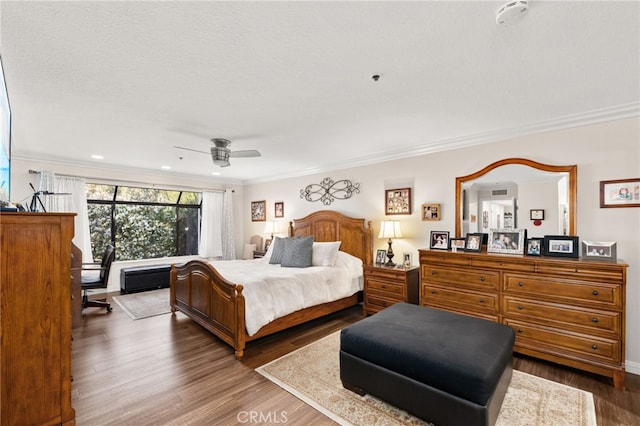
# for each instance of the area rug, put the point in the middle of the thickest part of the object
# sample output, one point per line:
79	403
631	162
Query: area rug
312	374
145	304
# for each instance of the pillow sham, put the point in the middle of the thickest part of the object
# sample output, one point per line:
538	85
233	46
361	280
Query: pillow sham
276	249
324	254
297	252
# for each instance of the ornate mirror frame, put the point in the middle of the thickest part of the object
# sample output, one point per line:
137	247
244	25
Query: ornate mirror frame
571	191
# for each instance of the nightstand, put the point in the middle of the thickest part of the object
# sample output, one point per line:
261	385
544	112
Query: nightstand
258	254
385	285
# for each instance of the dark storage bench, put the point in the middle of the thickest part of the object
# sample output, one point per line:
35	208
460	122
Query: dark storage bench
143	278
442	367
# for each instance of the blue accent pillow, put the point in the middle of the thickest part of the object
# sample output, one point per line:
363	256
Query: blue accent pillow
297	252
278	247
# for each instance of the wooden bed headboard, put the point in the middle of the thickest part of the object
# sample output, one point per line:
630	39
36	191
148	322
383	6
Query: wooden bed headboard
326	225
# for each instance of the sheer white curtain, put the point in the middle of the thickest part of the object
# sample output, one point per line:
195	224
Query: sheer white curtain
228	241
216	231
74	203
211	227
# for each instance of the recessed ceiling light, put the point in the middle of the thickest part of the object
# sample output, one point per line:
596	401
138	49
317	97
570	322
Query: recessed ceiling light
97	157
166	167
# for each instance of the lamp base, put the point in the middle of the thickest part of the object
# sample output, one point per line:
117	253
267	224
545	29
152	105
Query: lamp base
389	255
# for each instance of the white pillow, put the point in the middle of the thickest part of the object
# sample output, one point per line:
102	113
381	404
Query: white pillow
248	251
352	263
324	254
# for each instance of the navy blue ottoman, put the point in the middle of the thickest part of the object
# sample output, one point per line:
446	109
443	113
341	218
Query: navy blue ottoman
442	367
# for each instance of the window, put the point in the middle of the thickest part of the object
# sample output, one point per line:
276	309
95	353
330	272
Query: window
143	223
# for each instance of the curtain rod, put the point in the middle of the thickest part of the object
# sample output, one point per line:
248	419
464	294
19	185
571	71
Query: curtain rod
156	186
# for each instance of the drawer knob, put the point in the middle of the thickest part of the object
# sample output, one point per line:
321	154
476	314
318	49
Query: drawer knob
383	286
434	273
520	283
520	307
519	330
594	347
482	279
595	292
594	319
481	300
433	292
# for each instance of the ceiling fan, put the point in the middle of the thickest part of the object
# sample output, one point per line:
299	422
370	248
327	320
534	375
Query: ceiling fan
220	152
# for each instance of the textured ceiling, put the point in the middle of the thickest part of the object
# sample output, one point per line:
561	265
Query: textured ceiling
131	80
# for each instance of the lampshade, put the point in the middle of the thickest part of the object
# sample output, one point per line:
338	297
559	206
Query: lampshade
269	227
390	229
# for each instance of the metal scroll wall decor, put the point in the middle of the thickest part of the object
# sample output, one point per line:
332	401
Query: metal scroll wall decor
329	190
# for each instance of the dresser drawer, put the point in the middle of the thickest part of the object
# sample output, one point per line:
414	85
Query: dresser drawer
378	286
375	302
577	292
502	264
473	279
604	272
385	273
555	341
467	300
563	316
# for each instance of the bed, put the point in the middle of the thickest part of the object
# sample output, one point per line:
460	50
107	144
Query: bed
218	304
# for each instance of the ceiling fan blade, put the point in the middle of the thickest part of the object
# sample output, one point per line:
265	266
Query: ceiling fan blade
194	150
245	153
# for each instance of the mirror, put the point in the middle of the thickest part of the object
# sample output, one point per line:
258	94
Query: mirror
516	193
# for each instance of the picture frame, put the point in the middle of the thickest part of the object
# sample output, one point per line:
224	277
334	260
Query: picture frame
457	244
430	212
473	242
381	255
258	211
397	201
507	241
536	214
278	209
561	246
407	260
267	243
620	193
439	240
534	247
599	250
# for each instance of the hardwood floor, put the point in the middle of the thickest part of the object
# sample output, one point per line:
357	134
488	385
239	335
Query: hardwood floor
166	370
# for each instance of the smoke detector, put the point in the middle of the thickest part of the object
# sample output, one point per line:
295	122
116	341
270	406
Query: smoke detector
512	12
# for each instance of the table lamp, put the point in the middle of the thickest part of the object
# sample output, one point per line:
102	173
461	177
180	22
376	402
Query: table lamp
269	228
390	229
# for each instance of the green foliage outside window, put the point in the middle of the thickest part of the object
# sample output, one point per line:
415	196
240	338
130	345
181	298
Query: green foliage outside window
143	223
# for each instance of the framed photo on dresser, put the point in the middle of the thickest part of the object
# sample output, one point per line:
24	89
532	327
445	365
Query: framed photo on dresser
561	246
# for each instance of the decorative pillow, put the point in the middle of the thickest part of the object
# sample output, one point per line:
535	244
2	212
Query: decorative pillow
297	252
276	249
248	251
324	254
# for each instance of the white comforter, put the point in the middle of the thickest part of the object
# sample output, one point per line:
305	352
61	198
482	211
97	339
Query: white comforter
271	291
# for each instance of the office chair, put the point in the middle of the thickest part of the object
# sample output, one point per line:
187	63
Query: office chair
92	281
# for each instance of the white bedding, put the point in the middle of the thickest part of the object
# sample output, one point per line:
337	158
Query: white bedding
271	291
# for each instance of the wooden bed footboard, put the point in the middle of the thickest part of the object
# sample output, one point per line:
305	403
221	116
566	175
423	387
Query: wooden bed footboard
202	294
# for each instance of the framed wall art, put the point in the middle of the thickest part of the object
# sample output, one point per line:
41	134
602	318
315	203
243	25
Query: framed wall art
431	212
397	201
536	214
561	246
620	193
507	241
439	240
278	210
599	250
258	211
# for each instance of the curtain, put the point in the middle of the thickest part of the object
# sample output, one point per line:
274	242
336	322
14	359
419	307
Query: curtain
69	195
228	241
211	227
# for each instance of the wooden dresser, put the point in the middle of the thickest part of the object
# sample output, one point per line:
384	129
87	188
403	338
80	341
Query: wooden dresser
384	286
35	318
569	311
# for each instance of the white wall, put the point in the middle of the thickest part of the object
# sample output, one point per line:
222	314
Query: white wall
602	152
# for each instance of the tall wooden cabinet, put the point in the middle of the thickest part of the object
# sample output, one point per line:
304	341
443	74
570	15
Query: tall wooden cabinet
35	318
569	311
